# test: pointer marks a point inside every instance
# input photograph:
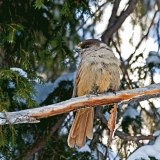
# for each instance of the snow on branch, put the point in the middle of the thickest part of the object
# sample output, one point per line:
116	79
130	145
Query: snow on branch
121	97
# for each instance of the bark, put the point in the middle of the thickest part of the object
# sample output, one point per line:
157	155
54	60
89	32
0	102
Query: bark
117	23
121	97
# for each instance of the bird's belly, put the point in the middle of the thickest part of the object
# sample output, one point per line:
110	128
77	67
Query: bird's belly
98	78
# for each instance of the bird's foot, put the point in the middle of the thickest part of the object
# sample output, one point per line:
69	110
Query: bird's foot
110	90
88	95
95	93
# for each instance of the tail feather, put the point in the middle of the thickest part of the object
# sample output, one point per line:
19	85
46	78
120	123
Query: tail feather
81	135
81	127
89	129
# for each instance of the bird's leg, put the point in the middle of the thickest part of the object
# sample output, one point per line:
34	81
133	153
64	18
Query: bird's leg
93	93
95	89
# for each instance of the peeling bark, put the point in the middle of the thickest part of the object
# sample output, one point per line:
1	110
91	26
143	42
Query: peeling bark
121	97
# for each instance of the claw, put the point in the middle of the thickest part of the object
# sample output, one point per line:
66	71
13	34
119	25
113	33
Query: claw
95	93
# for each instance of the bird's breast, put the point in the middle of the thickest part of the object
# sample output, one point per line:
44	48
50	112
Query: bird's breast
98	74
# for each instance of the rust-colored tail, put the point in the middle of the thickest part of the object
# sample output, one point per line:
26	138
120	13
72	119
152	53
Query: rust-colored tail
82	127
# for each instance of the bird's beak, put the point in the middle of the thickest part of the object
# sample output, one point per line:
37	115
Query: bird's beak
78	49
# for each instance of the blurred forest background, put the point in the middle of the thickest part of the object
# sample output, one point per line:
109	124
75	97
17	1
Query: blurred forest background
38	64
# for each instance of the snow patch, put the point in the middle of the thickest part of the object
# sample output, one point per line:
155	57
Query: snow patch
156	133
44	90
112	155
66	124
131	112
153	57
107	115
21	71
85	148
146	151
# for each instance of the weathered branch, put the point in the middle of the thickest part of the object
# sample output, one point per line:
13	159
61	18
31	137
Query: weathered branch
117	24
125	136
122	97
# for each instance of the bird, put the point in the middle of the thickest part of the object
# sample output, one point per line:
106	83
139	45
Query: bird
98	72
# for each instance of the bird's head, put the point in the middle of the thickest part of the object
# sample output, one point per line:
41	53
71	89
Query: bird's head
88	45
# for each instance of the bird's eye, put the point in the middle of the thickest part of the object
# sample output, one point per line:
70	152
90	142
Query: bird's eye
86	46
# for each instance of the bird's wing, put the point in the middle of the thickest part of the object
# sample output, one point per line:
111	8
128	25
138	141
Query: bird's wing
76	81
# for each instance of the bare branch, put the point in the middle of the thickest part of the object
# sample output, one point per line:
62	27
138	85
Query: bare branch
144	37
122	97
158	4
117	24
133	138
125	136
114	12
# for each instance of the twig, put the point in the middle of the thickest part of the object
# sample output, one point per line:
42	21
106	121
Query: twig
133	138
145	36
125	136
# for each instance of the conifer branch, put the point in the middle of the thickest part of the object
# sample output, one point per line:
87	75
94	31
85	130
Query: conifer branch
41	142
117	24
121	97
